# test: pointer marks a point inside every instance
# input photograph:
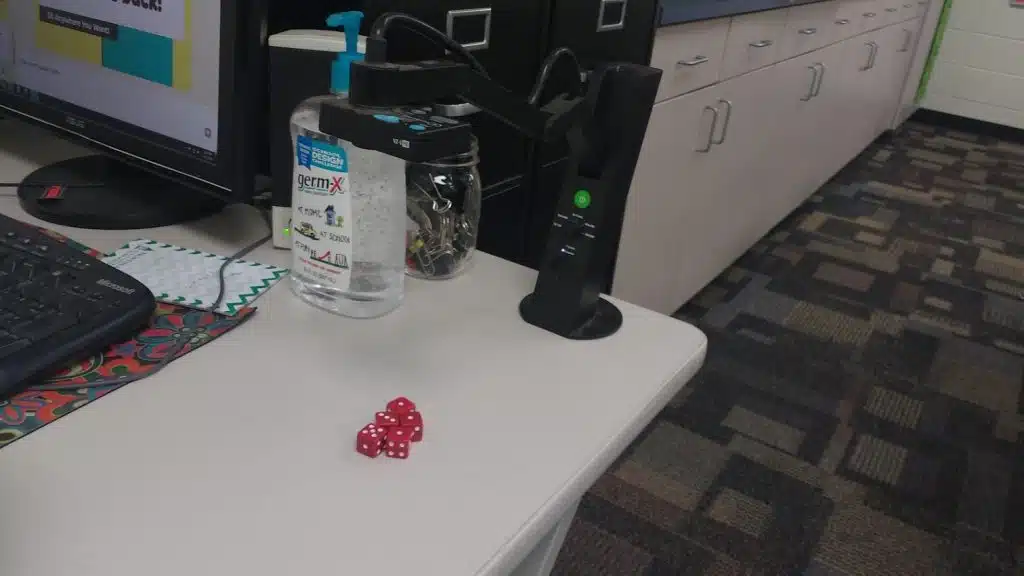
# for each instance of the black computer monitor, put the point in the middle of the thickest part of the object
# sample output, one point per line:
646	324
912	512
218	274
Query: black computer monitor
165	90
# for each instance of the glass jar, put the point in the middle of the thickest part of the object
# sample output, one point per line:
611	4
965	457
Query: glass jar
443	207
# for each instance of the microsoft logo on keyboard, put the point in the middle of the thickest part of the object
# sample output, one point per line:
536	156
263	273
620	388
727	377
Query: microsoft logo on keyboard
108	284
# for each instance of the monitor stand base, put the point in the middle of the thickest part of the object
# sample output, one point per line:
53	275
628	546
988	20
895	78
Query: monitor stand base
100	193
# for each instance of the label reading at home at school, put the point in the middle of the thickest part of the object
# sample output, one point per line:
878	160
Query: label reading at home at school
322	217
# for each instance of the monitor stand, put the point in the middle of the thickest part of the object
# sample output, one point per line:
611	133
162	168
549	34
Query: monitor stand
103	194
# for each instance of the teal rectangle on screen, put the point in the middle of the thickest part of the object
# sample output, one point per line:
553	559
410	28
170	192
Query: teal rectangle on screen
140	54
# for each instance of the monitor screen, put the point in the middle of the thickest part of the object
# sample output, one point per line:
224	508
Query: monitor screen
142	77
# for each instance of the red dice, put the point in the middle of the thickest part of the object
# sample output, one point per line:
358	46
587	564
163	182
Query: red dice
385	419
370	440
414	422
401	405
397	446
393	431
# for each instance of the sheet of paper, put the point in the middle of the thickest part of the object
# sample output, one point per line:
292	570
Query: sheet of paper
190	277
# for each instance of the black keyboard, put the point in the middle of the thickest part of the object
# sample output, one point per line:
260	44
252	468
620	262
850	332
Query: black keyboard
58	305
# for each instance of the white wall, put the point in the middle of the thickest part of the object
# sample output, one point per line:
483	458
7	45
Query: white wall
979	71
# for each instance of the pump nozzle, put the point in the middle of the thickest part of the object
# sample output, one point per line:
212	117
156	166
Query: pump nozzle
350	22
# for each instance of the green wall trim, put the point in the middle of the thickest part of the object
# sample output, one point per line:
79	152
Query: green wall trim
940	33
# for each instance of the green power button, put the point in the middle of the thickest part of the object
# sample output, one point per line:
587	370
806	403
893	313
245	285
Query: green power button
581	199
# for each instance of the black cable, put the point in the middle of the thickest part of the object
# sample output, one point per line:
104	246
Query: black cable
172	354
427	32
548	66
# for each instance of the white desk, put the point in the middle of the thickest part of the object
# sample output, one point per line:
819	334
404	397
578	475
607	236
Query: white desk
239	458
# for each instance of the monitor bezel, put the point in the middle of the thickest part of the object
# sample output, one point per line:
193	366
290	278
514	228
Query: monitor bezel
231	177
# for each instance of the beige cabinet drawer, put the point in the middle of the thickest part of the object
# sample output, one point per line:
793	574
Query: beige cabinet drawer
689	55
890	11
848	19
754	42
908	9
809	27
872	14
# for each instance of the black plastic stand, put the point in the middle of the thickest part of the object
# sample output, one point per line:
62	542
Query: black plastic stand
602	321
605	131
603	152
98	192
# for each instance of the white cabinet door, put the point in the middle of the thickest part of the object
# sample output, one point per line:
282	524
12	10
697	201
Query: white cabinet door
925	26
750	195
867	57
857	112
893	60
674	184
825	125
815	148
799	111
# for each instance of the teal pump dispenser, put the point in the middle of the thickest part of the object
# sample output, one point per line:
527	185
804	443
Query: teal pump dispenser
340	69
348	207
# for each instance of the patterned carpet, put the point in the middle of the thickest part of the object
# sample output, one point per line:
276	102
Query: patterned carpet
860	411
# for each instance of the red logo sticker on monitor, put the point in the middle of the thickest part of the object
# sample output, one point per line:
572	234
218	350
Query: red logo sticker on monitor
55	192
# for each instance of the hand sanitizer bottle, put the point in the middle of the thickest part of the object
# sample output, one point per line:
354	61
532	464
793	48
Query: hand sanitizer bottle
348	208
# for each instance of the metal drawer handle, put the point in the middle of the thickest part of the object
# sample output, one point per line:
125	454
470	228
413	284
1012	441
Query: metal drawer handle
907	41
814	83
908	5
454	15
842	22
821	79
870	14
603	26
922	2
725	123
697	61
892	9
871	56
711	134
761	44
809	31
